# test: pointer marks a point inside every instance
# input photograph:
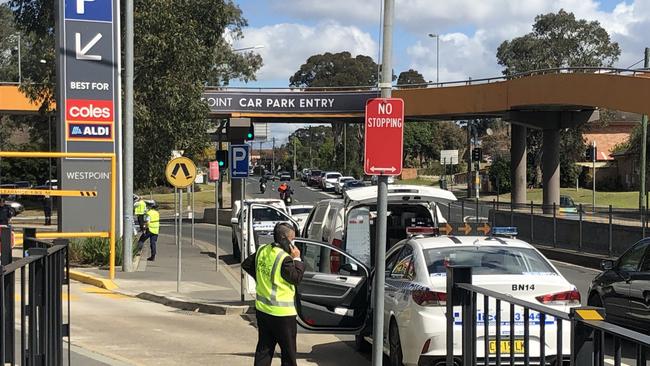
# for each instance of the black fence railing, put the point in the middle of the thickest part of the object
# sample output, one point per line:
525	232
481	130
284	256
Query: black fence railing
498	329
38	307
586	228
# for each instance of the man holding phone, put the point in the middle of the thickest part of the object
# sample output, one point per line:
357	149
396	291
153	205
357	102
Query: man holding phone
277	269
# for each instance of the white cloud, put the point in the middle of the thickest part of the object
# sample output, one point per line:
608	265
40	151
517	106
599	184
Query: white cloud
288	45
345	11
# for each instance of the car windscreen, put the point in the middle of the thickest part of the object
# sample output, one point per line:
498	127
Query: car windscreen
488	260
354	184
300	211
267	214
315	172
333	175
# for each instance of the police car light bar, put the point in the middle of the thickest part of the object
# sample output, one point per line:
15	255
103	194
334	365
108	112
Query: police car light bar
504	230
422	230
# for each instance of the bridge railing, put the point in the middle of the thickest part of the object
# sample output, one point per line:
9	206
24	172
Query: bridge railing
38	307
530	333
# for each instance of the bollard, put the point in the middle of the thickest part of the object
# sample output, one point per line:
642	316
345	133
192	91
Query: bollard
460	297
610	231
554	226
512	214
462	210
580	226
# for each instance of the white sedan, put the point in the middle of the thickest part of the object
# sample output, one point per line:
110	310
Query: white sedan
415	295
300	214
340	182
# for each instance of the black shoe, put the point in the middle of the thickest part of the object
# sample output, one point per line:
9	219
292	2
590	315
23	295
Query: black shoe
151	259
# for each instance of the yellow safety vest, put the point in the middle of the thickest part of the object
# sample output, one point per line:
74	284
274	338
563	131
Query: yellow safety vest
154	221
275	296
140	207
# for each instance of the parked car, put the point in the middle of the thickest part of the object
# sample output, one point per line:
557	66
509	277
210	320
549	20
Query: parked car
285	177
567	205
340	182
270	176
9	186
314	178
23	184
53	183
300	214
328	181
258	217
623	288
304	174
16	207
415	296
353	184
373	180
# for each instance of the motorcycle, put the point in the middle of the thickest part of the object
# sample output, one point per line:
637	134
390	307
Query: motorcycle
262	188
286	197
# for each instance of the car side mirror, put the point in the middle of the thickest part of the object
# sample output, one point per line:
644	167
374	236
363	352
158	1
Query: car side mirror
351	268
607	264
234	221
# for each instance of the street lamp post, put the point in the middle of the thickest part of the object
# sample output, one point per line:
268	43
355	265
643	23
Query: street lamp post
437	37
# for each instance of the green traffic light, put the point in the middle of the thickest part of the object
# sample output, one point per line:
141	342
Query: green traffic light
221	163
250	135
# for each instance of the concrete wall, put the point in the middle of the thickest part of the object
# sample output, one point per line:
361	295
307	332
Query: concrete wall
224	216
595	236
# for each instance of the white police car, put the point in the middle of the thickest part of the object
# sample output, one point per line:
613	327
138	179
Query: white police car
334	295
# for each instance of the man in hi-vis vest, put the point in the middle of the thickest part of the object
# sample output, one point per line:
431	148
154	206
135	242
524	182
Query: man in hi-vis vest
277	270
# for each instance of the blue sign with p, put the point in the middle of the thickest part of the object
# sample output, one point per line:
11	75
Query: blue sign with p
94	10
239	161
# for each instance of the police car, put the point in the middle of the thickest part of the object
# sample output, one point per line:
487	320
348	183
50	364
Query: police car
335	295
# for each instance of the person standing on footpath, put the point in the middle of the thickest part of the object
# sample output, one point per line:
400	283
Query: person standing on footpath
139	209
47	209
277	269
152	229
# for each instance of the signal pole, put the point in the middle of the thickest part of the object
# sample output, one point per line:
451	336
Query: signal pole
644	138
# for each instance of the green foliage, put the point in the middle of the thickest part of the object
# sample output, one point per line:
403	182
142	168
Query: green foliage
558	40
424	140
499	172
410	77
8	46
94	251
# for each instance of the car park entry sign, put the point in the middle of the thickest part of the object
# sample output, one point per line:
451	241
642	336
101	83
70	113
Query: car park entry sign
88	98
384	136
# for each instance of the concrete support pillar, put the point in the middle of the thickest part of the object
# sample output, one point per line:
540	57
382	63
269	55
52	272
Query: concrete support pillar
551	168
518	163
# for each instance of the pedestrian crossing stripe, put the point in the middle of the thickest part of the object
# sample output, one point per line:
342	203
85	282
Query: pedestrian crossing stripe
47	192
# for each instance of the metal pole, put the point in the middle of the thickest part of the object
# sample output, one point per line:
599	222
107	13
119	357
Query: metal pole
216	225
272	158
294	159
593	162
180	240
644	142
192	213
382	196
127	201
609	250
438	59
345	148
469	158
20	69
242	249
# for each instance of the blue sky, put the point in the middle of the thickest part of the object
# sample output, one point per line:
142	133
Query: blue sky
470	32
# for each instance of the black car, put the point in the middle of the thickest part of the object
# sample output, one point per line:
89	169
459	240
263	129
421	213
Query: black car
314	178
623	288
352	185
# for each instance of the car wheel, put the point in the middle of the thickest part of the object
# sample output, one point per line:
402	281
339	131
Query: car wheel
395	345
12	211
361	345
595	300
236	253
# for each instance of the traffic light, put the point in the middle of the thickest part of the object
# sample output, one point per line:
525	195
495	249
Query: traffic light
251	133
477	154
222	158
590	154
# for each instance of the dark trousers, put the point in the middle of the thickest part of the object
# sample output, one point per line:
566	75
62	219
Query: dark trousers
153	239
274	330
48	216
141	222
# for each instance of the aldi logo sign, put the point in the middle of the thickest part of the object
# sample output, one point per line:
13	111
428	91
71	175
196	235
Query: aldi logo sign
90	131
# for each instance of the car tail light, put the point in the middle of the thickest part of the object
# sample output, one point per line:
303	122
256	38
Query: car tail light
561	298
429	298
335	257
425	347
421	230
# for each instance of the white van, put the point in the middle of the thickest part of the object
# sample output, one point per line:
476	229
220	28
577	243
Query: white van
349	223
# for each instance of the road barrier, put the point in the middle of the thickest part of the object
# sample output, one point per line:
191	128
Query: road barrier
505	343
113	196
43	273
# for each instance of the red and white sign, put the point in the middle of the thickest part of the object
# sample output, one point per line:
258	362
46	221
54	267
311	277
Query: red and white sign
384	136
214	171
89	110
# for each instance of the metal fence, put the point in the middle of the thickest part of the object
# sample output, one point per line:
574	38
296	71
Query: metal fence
39	304
599	230
592	341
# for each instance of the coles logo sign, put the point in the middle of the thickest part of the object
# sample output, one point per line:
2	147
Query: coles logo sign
89	110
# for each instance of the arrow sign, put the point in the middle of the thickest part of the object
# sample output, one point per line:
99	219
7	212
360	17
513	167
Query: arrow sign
485	229
466	229
81	52
447	229
375	169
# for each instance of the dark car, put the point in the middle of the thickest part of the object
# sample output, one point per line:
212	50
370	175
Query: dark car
352	185
314	178
623	288
285	176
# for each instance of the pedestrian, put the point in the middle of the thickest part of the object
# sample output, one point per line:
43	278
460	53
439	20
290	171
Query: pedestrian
275	308
47	209
152	228
139	209
6	212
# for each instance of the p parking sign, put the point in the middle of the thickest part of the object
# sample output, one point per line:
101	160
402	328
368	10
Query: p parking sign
239	161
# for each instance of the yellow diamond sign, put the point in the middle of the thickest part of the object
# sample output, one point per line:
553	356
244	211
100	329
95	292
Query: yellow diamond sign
180	172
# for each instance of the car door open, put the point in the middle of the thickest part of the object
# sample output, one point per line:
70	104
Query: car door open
333	295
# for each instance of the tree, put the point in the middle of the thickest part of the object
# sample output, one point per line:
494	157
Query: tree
8	45
410	77
179	47
558	40
336	70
